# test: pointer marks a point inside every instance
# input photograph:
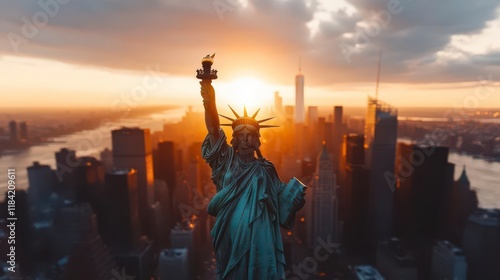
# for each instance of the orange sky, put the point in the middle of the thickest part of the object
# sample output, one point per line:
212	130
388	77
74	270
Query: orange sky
110	53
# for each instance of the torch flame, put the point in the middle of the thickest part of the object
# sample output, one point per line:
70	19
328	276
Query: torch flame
209	58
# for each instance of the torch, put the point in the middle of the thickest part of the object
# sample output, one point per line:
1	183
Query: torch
207	73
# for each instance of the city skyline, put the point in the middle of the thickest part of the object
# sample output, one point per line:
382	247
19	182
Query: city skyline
60	46
384	119
311	225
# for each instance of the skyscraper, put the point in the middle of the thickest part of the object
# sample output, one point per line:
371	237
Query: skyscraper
287	147
312	115
25	236
300	114
325	201
23	135
195	165
91	259
355	220
137	263
89	175
66	162
174	264
106	157
72	222
338	133
166	169
188	235
448	262
13	131
481	243
313	145
163	196
395	261
122	227
160	231
41	182
278	104
183	196
289	112
353	192
66	159
380	148
328	138
132	149
353	149
421	194
462	204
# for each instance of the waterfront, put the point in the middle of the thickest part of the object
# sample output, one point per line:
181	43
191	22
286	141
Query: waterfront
86	143
484	177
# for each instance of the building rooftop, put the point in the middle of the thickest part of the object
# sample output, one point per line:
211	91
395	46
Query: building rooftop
398	251
486	217
367	272
186	225
36	164
126	130
42	225
129	128
449	247
324	154
382	106
121	171
174	253
463	180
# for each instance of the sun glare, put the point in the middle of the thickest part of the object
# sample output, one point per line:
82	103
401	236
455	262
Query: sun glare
247	91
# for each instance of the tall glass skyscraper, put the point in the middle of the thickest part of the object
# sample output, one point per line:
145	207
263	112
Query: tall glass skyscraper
132	149
300	114
325	200
381	130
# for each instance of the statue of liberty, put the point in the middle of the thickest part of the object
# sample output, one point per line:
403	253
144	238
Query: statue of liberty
250	205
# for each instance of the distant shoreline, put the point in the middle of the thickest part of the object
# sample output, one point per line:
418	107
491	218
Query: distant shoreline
10	149
77	109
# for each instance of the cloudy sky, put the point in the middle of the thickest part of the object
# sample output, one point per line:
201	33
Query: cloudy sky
58	53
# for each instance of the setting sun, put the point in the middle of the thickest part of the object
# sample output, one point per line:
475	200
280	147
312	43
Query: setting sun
246	91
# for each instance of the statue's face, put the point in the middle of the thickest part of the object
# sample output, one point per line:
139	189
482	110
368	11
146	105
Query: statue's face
246	139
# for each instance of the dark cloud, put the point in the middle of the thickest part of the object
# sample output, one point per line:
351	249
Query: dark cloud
265	37
410	42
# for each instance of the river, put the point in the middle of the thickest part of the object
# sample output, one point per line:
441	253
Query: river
85	143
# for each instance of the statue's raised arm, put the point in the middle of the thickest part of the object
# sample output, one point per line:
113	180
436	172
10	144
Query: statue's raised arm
208	93
211	116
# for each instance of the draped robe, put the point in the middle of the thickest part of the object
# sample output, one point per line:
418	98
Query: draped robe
246	235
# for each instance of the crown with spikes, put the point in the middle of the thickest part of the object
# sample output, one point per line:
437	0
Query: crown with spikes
246	120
